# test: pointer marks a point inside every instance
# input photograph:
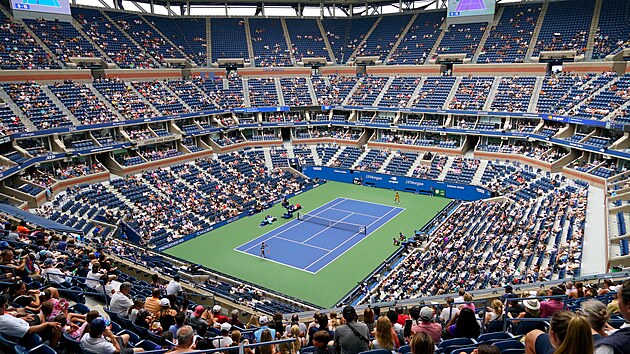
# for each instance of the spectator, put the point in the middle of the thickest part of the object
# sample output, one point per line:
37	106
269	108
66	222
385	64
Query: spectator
196	319
551	306
166	315
494	317
424	323
532	311
449	311
216	314
401	316
570	334
264	324
266	336
618	342
463	325
234	321
384	336
368	318
120	302
13	326
320	341
100	339
351	337
152	304
421	343
225	340
184	340
180	320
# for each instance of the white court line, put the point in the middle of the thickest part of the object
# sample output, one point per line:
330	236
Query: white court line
288	228
301	243
374	222
326	229
348	211
383	205
271	260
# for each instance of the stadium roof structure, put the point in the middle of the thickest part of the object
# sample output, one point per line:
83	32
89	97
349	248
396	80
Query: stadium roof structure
343	7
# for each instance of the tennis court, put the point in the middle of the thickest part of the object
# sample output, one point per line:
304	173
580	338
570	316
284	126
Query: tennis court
51	3
322	235
217	249
471	5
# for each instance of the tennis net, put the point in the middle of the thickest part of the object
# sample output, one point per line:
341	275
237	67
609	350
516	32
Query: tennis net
360	229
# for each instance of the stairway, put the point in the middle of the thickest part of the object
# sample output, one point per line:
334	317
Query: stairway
362	43
354	88
612	114
534	40
389	159
287	145
533	102
593	94
287	38
279	91
250	46
400	38
17	111
246	101
60	105
593	30
179	99
445	169
486	34
492	93
168	40
326	42
37	39
104	55
415	93
360	158
378	98
114	23
476	180
452	93
417	163
208	43
437	43
144	99
318	160
268	160
311	91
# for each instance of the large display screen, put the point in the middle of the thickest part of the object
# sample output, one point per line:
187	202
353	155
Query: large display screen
61	7
461	8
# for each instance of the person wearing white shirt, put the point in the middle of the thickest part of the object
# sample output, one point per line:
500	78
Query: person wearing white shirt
120	302
174	287
225	340
53	274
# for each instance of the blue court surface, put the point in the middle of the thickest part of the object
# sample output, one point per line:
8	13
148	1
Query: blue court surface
310	246
51	3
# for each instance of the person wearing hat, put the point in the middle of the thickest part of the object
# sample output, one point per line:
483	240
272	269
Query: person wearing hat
551	306
532	310
216	314
353	336
424	323
53	274
196	317
225	340
100	339
166	315
120	302
234	321
509	292
13	326
264	324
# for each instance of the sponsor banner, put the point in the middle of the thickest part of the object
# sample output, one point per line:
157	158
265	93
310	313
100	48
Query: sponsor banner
400	183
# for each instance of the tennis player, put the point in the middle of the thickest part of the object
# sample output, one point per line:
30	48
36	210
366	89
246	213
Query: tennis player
397	198
263	248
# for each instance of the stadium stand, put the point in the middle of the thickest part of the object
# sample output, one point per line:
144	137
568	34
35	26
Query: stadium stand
269	43
307	39
565	27
228	39
509	39
415	45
